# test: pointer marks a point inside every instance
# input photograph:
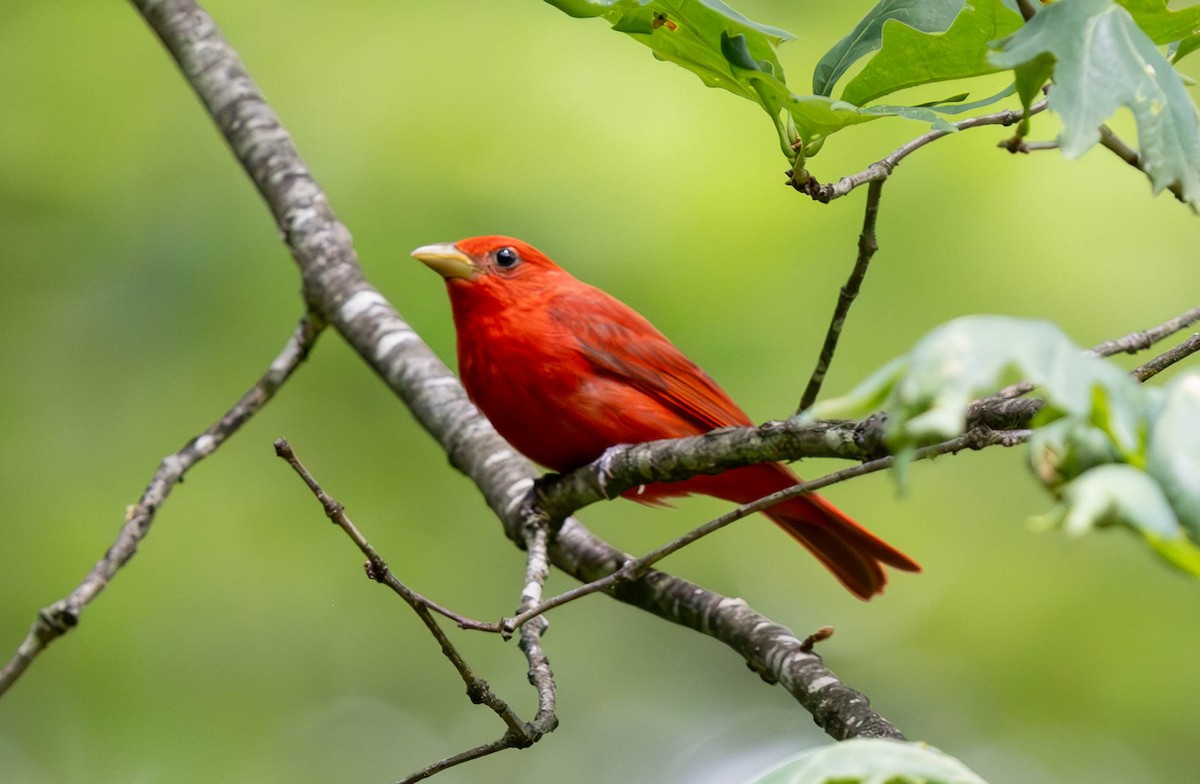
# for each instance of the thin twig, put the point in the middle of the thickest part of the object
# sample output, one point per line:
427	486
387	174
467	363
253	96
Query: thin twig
1144	339
458	759
536	571
377	568
867	245
1118	147
1018	144
1168	358
989	412
63	615
518	734
882	169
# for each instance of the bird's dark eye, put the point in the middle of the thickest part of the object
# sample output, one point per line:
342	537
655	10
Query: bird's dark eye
507	258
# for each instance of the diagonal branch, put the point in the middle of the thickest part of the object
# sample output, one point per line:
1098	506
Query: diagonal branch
1118	147
1144	339
867	245
1007	408
63	615
1164	360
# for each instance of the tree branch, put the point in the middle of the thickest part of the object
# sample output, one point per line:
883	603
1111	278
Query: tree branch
1144	339
636	567
1115	145
1167	358
63	615
867	245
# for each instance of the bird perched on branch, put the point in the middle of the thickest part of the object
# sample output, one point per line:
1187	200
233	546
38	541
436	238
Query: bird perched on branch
564	371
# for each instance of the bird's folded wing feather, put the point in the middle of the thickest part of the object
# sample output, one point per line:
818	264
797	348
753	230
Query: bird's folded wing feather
621	343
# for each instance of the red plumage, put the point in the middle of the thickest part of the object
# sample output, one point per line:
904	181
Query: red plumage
564	371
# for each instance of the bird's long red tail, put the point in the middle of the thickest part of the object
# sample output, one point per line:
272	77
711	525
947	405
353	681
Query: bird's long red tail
854	555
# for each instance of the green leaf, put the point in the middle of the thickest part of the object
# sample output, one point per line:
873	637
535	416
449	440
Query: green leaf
1162	25
583	9
974	356
872	761
775	34
1185	47
616	10
949	107
1173	453
722	47
1103	62
909	57
869	396
928	16
727	50
1122	495
817	116
737	52
1029	78
1063	450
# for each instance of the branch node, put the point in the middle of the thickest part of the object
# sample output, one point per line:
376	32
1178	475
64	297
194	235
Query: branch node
377	569
59	617
820	635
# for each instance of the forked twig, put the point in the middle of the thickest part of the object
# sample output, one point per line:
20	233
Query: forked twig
518	733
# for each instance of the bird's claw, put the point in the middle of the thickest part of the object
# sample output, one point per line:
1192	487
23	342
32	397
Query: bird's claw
604	466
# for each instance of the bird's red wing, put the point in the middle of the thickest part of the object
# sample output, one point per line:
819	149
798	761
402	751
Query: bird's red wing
623	344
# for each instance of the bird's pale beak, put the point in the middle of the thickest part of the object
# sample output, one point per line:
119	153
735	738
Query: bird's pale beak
446	260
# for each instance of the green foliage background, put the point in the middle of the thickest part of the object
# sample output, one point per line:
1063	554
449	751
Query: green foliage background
144	288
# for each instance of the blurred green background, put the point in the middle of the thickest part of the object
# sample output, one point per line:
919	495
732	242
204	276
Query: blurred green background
145	288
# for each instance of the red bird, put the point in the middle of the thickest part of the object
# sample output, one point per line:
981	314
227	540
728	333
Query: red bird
565	371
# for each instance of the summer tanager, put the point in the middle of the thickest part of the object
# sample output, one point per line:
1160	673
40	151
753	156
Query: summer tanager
564	371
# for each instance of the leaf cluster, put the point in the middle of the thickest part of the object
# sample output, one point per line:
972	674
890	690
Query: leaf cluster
1092	57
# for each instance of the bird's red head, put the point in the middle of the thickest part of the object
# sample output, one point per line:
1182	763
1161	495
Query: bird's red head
488	256
492	274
